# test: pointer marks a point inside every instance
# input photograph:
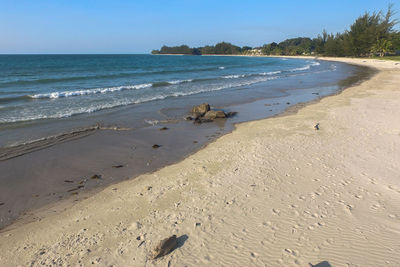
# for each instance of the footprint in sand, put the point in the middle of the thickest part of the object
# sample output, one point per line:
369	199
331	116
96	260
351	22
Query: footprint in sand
276	211
268	223
376	206
372	181
348	208
315	225
394	188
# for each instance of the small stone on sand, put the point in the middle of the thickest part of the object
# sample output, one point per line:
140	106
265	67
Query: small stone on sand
118	166
96	176
164	247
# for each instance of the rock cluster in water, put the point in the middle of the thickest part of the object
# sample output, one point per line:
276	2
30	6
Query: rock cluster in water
203	113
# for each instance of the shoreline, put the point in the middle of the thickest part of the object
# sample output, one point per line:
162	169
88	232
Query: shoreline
215	187
63	170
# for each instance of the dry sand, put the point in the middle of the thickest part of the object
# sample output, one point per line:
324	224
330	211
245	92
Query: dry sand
274	192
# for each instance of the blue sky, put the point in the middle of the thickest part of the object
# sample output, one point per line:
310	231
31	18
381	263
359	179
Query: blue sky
117	26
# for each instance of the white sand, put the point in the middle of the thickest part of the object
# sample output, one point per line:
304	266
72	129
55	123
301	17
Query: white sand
274	192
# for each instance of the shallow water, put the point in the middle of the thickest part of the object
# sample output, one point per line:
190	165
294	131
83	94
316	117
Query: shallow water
43	95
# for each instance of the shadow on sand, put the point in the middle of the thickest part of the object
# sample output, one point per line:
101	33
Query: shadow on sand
321	264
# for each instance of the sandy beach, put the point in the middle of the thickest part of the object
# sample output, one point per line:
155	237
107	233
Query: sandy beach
274	192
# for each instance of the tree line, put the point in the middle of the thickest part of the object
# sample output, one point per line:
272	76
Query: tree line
370	34
222	48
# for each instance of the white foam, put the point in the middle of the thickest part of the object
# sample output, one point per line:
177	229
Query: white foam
151	122
307	67
271	72
235	76
91	91
221	68
71	111
180	81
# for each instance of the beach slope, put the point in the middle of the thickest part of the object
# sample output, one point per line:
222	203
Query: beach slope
274	192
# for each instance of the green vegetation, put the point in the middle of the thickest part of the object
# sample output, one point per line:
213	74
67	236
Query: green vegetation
369	36
219	49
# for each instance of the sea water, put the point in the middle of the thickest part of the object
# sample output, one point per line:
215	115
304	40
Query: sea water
42	95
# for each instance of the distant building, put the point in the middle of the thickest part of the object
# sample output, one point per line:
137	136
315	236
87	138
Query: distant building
254	52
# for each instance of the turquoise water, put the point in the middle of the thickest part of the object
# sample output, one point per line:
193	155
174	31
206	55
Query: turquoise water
43	89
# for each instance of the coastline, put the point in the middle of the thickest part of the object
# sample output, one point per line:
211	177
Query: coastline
124	137
274	191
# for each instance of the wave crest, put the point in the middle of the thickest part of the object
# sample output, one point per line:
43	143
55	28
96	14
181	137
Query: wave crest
90	91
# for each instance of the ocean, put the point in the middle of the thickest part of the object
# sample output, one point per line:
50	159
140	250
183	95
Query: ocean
37	89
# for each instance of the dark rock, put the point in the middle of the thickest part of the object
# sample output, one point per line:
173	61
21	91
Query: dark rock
96	176
202	113
76	188
202	120
118	166
201	109
164	128
197	115
68	181
194	116
1	203
156	146
164	247
214	114
231	114
288	103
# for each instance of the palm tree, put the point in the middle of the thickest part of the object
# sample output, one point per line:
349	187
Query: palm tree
382	47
